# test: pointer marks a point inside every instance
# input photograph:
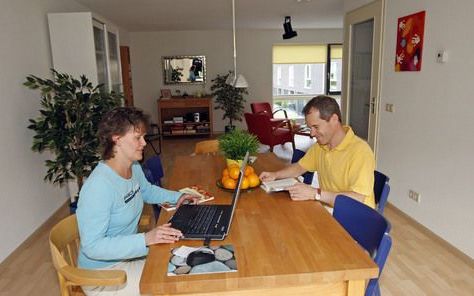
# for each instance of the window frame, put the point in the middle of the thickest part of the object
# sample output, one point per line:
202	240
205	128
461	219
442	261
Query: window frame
328	70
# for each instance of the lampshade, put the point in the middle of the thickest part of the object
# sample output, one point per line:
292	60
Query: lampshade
234	79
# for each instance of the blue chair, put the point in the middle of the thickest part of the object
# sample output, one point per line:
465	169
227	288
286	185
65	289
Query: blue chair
369	228
297	155
381	190
153	170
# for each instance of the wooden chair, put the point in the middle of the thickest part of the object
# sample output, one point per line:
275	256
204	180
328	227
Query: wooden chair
64	245
207	147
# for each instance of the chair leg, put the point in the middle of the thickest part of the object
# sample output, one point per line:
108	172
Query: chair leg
271	148
293	145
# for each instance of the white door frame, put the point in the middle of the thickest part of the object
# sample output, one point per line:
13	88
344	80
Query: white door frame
375	11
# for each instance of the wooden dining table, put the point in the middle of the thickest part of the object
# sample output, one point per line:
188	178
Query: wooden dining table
282	247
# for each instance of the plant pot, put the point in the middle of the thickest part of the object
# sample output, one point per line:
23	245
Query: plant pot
233	162
229	128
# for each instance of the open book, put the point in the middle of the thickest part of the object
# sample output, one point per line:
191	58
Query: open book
278	185
193	190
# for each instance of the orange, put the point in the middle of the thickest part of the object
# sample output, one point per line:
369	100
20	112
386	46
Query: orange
234	172
225	173
249	170
245	183
254	180
232	165
229	183
223	179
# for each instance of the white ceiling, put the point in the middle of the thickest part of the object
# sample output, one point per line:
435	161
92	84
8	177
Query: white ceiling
167	15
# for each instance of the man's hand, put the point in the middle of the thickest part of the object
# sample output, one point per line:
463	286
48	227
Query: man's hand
163	234
267	176
187	199
301	191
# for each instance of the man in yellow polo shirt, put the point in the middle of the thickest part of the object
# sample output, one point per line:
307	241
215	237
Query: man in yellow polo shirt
345	163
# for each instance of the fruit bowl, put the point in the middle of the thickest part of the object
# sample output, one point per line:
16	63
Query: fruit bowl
221	186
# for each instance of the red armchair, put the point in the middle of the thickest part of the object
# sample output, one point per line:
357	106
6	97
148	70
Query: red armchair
261	126
266	108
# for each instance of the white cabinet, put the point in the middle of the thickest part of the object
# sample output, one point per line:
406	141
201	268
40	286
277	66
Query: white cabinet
81	44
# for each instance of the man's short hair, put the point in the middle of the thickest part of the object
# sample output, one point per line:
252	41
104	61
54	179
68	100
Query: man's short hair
118	122
326	106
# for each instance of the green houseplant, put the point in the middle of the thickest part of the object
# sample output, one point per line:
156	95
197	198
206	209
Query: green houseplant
67	125
236	143
229	99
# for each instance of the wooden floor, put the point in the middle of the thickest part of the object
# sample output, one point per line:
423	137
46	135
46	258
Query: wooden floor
417	264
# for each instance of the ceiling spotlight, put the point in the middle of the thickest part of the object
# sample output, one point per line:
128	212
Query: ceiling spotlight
289	33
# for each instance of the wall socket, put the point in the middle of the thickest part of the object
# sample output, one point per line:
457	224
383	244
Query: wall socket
413	195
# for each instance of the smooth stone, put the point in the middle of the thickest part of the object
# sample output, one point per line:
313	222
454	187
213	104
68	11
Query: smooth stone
182	269
229	247
214	266
223	254
206	250
171	267
178	261
232	264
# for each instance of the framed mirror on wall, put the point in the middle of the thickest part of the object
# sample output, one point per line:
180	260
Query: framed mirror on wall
184	69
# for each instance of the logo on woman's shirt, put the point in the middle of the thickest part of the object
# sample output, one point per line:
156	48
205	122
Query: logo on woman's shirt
129	196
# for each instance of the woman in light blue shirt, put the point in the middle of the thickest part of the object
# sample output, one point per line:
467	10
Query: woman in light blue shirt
111	203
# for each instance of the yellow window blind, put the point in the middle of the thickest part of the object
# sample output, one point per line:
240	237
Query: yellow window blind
299	54
336	51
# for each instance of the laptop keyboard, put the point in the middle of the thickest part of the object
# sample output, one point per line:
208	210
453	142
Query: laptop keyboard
201	222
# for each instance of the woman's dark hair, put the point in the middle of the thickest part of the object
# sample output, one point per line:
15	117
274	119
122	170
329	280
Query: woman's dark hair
326	106
118	121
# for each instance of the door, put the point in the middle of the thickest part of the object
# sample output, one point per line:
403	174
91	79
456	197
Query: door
361	70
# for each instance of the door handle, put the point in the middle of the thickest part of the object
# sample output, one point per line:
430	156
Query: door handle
372	105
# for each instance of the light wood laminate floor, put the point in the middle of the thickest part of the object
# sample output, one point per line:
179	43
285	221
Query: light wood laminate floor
417	264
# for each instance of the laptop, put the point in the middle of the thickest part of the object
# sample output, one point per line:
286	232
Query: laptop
208	222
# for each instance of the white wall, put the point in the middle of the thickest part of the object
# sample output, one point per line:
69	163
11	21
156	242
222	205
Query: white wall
254	60
427	143
26	200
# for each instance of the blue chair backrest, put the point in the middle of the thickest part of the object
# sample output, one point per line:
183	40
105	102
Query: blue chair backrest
153	170
369	228
381	190
297	155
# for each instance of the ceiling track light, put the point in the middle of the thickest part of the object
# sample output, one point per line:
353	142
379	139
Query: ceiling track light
289	33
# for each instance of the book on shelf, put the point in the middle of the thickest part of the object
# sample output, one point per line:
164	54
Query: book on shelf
185	260
278	185
193	190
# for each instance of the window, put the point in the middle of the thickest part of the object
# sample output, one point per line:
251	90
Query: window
301	72
307	76
334	80
278	75
291	76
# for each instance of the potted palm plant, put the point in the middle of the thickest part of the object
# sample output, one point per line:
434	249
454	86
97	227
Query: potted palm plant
236	143
67	125
229	99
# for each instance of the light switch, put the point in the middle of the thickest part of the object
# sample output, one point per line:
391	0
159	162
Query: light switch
389	107
442	56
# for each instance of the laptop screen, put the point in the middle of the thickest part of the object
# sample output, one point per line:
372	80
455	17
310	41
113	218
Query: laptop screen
236	195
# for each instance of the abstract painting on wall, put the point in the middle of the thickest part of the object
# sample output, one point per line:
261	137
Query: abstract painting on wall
410	35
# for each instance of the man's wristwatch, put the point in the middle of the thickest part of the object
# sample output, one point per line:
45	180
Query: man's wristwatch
317	196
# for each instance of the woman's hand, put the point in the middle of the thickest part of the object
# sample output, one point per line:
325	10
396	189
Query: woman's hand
163	234
187	199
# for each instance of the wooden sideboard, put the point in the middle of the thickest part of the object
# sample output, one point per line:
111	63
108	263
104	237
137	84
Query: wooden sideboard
171	109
